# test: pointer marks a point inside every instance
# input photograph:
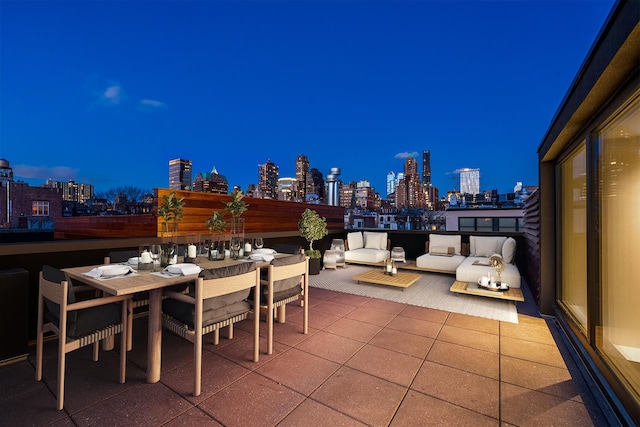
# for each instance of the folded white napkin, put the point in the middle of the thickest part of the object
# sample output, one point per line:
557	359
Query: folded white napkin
184	269
262	257
264	251
106	271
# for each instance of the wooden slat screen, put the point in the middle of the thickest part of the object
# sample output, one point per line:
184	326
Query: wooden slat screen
531	267
264	217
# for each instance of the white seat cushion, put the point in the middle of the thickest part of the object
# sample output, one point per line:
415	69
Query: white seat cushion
467	272
366	255
444	264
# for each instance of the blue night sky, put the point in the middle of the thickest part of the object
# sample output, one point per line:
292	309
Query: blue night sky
107	92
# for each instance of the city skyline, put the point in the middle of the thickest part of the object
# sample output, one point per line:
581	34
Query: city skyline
108	93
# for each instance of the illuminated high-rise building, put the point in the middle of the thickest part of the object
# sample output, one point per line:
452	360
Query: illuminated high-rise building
470	181
287	189
72	191
180	174
268	180
391	183
315	183
302	175
333	197
409	193
426	167
211	182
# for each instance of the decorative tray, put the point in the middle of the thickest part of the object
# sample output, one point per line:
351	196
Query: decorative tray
502	288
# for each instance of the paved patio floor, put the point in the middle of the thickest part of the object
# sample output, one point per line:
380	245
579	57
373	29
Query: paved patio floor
364	362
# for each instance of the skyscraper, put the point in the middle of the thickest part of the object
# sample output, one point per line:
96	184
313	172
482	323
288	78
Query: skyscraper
211	182
426	167
333	198
391	183
409	193
470	181
180	174
268	180
302	172
316	184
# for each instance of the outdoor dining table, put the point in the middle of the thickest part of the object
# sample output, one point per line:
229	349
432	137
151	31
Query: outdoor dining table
141	281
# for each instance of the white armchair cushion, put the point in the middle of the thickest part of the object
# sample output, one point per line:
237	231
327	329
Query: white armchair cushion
355	240
509	250
441	240
485	246
374	240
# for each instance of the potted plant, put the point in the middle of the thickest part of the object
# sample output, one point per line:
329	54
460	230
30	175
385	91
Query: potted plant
171	211
217	225
236	207
312	227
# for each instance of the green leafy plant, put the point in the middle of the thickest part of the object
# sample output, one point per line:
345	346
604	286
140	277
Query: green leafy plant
236	207
313	253
312	227
171	210
216	224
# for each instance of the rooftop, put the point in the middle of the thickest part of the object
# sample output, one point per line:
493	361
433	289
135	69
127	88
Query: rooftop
365	361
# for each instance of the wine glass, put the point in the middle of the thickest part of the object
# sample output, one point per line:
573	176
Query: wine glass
155	256
235	248
258	243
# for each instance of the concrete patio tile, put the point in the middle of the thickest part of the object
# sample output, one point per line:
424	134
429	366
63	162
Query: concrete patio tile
403	342
470	338
418	409
475	392
386	364
364	397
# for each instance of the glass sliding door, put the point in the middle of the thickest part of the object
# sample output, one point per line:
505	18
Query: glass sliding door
573	235
618	166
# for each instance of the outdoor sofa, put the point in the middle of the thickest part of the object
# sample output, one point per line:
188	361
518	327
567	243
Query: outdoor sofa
444	253
469	262
368	247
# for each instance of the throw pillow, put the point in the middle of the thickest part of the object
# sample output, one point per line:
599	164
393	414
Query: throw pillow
355	240
371	240
455	241
383	241
509	250
485	246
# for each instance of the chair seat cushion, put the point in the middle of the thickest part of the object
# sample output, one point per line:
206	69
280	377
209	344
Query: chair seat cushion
88	320
225	307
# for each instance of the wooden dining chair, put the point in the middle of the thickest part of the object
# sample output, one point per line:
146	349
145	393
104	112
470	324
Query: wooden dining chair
219	300
77	323
287	280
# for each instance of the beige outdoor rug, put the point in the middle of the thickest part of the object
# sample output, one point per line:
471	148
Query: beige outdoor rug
431	290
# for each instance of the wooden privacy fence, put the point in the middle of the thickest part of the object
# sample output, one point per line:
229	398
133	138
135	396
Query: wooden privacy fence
264	216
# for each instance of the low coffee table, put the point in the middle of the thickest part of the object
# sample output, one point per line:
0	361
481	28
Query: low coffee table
513	294
377	276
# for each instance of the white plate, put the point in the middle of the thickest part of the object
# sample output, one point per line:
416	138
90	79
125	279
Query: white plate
113	270
183	268
263	251
261	257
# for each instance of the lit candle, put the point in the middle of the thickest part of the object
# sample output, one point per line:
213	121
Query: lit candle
394	271
191	251
388	268
145	257
247	247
